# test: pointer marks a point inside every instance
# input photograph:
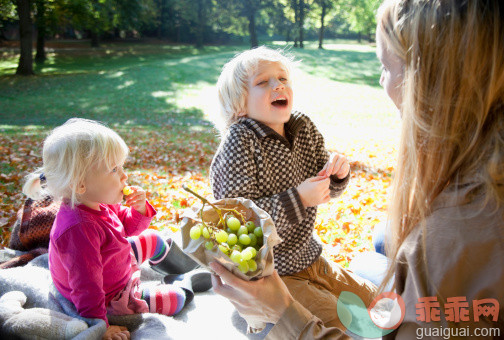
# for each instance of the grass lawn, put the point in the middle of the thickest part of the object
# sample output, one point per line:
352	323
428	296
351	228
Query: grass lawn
161	99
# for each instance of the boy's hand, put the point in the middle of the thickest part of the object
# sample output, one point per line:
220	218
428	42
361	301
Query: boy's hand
137	199
116	332
314	191
336	165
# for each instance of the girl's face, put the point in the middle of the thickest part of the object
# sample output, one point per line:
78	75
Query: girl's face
103	185
392	70
270	96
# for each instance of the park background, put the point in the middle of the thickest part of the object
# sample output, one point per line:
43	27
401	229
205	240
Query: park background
148	70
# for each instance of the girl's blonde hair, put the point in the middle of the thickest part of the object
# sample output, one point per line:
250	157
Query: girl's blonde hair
452	108
69	152
232	85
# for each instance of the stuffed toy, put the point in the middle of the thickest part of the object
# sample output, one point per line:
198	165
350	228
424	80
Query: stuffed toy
35	323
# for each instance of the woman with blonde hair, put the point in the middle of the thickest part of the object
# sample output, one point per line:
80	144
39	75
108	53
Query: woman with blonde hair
443	67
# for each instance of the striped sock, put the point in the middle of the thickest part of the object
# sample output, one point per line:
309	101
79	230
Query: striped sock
148	245
164	299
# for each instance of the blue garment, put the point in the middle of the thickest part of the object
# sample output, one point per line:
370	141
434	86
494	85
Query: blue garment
373	265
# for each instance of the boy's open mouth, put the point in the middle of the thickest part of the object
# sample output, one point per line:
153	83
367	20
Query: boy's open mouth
280	102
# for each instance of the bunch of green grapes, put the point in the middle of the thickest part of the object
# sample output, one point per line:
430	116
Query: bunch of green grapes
239	242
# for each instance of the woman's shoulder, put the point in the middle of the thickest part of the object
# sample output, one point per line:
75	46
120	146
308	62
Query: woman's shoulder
461	241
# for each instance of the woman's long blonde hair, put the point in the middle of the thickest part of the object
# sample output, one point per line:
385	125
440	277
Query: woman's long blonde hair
452	107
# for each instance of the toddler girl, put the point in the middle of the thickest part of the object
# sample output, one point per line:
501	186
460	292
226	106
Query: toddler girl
96	244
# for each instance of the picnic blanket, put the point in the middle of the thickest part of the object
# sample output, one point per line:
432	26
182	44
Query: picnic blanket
209	314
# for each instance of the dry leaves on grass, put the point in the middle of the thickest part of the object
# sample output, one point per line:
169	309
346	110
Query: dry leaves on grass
162	161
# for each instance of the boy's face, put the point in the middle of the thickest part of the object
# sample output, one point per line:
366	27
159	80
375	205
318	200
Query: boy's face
270	95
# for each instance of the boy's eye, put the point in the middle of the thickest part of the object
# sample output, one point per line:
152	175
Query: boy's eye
283	79
262	82
114	169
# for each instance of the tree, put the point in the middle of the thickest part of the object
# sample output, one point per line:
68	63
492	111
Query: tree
361	16
232	13
25	66
325	6
300	9
41	30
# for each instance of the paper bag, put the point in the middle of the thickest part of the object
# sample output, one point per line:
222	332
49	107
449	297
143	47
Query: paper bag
196	248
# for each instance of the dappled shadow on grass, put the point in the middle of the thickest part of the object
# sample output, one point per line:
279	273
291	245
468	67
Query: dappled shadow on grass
131	90
347	66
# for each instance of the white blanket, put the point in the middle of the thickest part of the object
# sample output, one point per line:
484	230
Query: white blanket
208	316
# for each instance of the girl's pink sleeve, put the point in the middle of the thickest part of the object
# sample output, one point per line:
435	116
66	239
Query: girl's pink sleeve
133	221
79	250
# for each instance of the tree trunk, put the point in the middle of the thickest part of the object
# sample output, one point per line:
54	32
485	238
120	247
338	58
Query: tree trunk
252	29
301	22
161	17
296	20
359	38
321	33
95	40
201	25
40	57
25	66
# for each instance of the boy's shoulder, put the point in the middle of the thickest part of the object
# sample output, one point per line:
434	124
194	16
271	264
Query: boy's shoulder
244	128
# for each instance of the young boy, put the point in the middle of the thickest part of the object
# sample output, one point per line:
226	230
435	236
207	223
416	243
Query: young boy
277	158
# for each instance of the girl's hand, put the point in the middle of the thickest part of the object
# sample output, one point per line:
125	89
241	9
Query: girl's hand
264	300
137	200
116	333
314	191
336	165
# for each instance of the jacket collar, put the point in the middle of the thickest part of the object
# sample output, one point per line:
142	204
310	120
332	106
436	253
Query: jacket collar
292	127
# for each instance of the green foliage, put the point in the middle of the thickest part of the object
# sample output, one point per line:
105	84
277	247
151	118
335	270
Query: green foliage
361	15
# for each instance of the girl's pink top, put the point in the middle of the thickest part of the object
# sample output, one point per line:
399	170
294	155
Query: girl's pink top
89	255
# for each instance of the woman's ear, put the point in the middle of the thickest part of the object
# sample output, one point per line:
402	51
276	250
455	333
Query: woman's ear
241	114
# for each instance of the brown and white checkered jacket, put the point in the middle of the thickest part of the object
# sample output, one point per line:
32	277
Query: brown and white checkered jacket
255	162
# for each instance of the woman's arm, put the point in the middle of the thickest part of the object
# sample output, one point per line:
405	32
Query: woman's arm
268	300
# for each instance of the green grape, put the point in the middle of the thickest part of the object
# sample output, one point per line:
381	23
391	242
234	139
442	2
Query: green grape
233	223
232	240
250	226
237	247
205	232
253	239
252	265
243	266
201	227
236	256
244	239
258	232
247	254
224	249
209	245
195	232
221	236
242	230
252	250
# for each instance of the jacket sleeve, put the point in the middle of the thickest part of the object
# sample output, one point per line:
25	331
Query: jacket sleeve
85	264
233	173
336	186
298	323
133	221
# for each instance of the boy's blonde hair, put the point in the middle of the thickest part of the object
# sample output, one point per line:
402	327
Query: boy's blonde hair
233	81
70	151
452	108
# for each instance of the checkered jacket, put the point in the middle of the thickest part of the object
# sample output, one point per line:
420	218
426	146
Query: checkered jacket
255	162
